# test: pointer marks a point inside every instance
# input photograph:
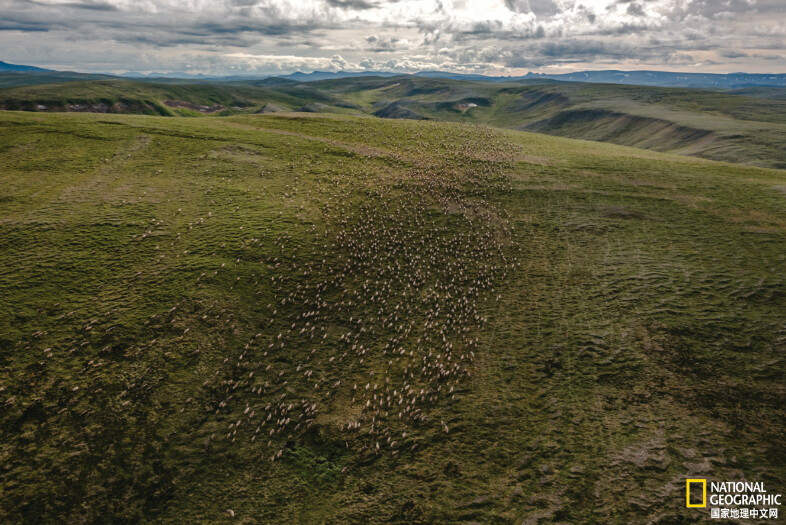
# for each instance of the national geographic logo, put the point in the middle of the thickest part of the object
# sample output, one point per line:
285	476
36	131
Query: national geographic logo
732	499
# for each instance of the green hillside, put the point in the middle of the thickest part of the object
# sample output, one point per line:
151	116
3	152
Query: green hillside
732	127
170	99
328	319
31	78
703	123
763	91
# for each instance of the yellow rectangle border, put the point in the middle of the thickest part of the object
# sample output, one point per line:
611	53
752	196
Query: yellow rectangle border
703	493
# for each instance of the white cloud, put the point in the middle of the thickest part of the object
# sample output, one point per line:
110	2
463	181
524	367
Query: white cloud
215	36
286	63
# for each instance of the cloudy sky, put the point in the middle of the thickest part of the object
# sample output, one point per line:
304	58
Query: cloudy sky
470	36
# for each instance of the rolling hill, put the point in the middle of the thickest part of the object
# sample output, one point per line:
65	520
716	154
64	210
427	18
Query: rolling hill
32	78
705	123
320	318
170	99
732	127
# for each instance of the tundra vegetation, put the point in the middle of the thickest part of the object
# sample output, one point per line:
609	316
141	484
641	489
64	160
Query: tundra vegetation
738	125
328	318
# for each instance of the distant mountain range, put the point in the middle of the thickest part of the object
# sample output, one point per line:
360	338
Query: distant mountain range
642	78
671	79
6	67
183	76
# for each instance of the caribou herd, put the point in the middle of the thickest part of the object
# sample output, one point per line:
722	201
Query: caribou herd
381	322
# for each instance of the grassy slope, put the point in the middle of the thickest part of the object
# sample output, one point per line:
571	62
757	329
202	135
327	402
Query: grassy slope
697	122
706	123
763	92
31	78
576	93
634	332
151	98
